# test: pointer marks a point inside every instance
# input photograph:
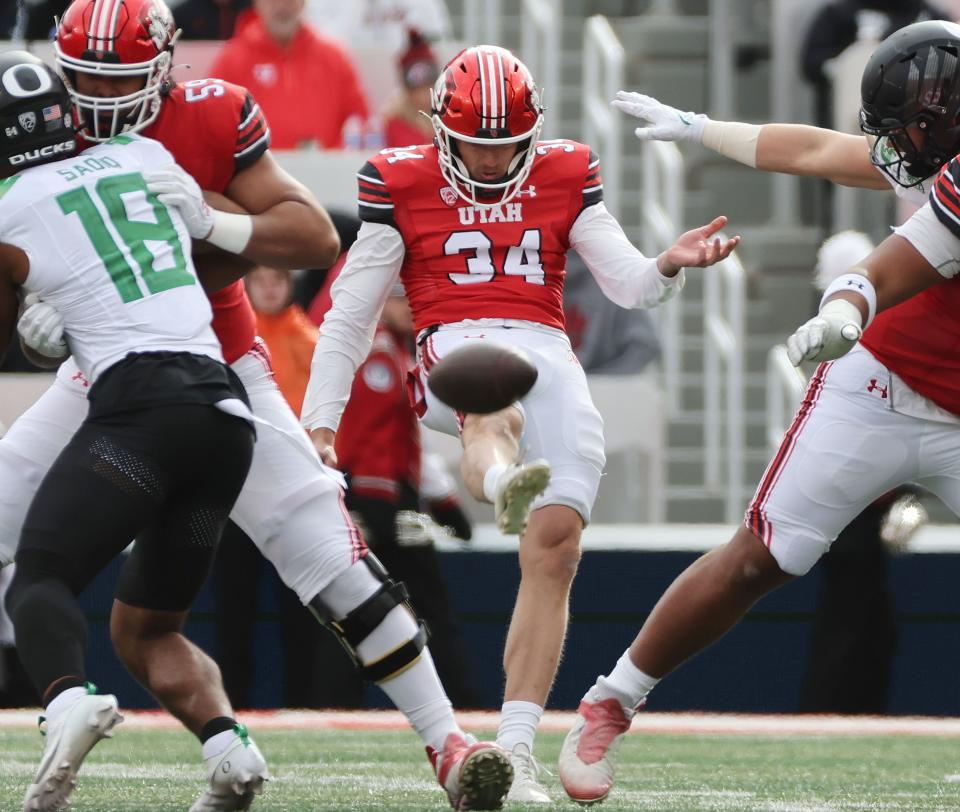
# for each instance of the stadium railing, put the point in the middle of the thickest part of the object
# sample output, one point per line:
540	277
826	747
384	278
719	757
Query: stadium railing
603	76
724	305
540	46
661	208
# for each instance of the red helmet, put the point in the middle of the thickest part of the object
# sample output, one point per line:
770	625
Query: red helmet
116	38
486	94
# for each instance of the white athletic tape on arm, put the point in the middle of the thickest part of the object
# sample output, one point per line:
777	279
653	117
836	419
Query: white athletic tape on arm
231	232
854	283
734	139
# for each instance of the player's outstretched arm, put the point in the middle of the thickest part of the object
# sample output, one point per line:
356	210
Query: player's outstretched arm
921	253
795	149
697	248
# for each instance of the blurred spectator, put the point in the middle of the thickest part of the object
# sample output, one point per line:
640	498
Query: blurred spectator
607	339
380	24
288	332
841	23
239	566
207	19
305	83
405	122
378	448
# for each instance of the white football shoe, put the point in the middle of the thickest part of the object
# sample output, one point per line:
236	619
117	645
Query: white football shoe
588	758
526	787
475	775
234	776
516	489
68	739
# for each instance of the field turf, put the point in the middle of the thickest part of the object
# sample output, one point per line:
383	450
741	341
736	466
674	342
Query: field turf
382	767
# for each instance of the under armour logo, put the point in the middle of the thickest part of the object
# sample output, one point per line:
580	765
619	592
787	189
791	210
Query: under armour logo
855	283
874	387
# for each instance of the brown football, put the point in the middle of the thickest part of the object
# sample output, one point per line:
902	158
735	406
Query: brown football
482	377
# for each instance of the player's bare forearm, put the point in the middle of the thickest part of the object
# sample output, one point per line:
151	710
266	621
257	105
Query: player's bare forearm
897	271
290	228
798	149
293	234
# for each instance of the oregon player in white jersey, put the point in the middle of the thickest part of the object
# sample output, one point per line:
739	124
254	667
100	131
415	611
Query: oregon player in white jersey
94	232
161	456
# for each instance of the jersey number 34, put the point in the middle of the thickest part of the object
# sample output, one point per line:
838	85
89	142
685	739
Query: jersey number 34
521	260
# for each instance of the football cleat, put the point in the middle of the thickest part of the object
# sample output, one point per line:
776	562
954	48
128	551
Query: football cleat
517	487
68	739
588	758
476	775
234	776
526	787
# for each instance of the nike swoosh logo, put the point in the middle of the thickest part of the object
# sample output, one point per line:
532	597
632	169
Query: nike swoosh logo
688	123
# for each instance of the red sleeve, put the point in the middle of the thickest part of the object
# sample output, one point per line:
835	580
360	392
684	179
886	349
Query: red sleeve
253	134
945	197
352	93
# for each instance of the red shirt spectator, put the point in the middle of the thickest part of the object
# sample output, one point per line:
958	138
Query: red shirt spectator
305	83
406	123
378	443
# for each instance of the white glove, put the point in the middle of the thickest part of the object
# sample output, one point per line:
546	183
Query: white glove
828	335
41	327
666	122
175	187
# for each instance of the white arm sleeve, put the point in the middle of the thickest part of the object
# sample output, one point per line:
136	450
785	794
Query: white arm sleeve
935	242
359	294
625	276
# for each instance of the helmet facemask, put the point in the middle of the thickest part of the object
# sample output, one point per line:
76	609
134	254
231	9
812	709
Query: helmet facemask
102	118
485	96
909	153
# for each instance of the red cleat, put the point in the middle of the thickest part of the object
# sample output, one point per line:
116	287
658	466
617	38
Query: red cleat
476	775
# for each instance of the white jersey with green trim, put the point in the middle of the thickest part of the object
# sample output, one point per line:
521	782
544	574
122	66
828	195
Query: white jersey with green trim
108	255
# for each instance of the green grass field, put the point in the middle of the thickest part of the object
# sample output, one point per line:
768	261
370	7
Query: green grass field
328	769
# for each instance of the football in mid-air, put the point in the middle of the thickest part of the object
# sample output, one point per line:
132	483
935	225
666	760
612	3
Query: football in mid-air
482	377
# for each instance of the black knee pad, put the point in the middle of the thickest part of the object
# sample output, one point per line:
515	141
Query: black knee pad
362	621
35	566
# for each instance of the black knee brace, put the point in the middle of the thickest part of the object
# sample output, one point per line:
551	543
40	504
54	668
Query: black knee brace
362	621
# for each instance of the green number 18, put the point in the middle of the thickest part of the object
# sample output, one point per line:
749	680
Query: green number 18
134	234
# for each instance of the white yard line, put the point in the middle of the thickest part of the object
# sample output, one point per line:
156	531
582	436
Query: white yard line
693	724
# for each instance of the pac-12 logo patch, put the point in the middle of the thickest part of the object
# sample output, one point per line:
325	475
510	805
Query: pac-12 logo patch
449	195
28	121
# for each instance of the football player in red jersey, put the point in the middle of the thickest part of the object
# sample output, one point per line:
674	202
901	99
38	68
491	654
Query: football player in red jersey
885	413
115	56
477	227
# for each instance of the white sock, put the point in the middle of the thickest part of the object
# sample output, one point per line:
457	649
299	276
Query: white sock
626	683
518	724
490	478
218	744
62	702
419	695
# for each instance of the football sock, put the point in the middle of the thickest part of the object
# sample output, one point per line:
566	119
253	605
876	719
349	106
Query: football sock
416	691
62	702
518	724
626	683
490	479
218	743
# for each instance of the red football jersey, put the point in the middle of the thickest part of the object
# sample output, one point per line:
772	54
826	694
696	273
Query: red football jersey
378	442
474	262
919	339
214	130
